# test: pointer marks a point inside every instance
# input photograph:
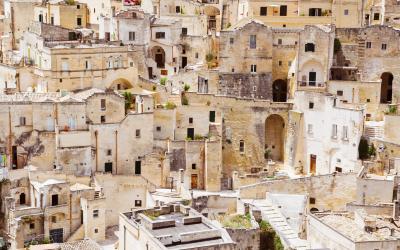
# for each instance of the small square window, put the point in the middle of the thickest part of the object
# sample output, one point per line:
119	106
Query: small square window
368	45
32	226
339	92
95	213
338	169
280	63
253	68
190	120
310	105
194	166
103	119
158	128
346	12
137	133
138	203
384	46
368	100
376	16
109	152
312	200
96	230
131	64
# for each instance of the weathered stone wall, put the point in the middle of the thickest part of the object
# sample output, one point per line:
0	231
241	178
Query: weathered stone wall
331	192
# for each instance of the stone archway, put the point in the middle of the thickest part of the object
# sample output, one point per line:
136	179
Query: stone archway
279	91
158	55
120	84
386	87
274	137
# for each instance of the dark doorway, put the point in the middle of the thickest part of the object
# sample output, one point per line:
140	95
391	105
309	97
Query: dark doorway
386	87
108	167
54	200
150	70
22	199
81	216
190	133
14	157
193	184
312	78
184	61
283	10
107	36
313	164
57	235
138	167
279	91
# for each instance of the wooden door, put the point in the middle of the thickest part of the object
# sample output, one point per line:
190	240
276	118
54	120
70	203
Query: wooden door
313	164
194	181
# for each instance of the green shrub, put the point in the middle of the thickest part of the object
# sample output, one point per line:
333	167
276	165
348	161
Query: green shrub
392	109
371	150
170	105
186	87
198	137
337	46
209	57
363	149
163	81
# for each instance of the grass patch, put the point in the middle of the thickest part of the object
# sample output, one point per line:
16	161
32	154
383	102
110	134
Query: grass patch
236	221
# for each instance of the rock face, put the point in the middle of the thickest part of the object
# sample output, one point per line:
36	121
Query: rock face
246	85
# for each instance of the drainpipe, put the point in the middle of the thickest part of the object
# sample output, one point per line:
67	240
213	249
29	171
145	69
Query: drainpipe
9	138
70	214
116	151
97	157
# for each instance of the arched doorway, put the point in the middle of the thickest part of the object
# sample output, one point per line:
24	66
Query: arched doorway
212	13
121	84
279	91
386	87
274	137
158	55
22	199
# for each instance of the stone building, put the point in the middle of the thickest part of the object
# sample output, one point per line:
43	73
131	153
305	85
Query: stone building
159	228
323	136
68	60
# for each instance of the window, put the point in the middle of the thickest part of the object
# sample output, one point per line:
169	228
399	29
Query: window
334	131
193	165
52	20
96	230
212	116
309	47
253	42
160	35
345	135
95	213
109	152
184	31
41	18
338	169
178	9
376	16
79	21
131	36
315	12
310	105
158	128
312	200
32	226
280	41
78	6
241	146
190	120
137	133
64	65
283	10
138	203
138	167
280	63
231	40
383	47
87	64
339	92
310	128
368	45
103	104
196	55
54	200
253	68
22	121
103	119
263	11
346	12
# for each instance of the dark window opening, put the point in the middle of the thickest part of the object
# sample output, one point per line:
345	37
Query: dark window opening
283	10
138	167
309	47
263	11
54	200
212	116
138	203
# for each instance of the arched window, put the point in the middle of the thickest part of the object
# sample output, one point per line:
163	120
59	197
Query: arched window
309	47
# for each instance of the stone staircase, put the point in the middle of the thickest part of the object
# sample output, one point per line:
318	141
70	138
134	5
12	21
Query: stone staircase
279	223
78	234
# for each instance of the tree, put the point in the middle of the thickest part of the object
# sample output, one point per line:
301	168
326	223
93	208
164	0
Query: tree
128	101
363	149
